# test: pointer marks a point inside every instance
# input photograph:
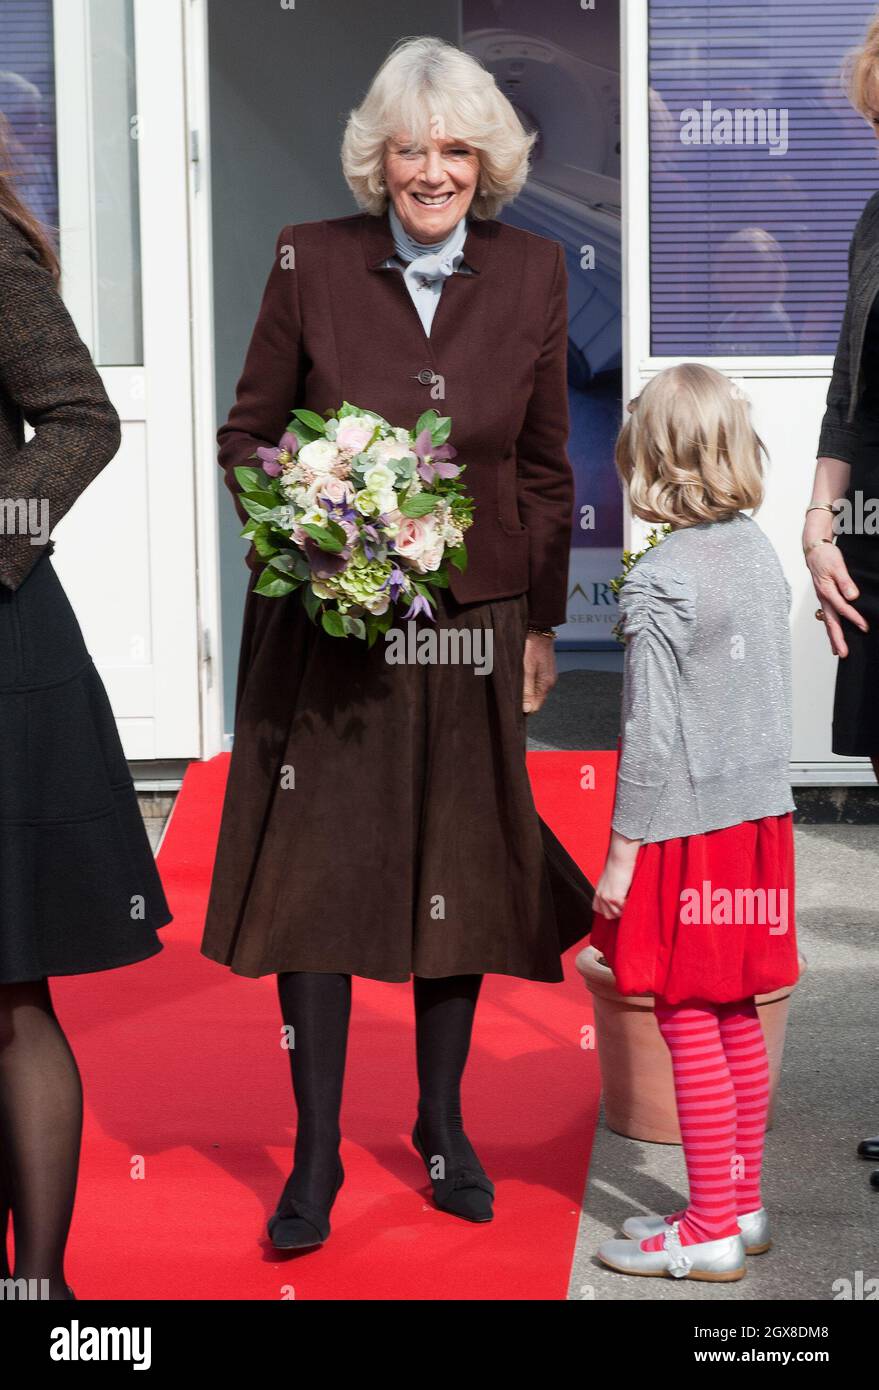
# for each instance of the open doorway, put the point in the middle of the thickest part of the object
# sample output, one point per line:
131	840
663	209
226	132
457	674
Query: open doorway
281	87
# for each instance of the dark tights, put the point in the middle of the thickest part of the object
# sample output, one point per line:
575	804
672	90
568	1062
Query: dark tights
317	1008
40	1133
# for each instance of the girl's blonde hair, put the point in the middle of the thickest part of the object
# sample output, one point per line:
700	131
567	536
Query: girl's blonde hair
862	74
688	452
427	88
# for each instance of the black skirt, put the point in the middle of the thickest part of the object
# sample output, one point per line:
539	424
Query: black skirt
856	702
79	888
378	818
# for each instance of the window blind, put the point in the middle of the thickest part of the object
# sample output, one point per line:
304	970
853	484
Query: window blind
759	169
27	103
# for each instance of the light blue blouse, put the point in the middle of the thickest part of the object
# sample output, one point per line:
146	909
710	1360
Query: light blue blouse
426	268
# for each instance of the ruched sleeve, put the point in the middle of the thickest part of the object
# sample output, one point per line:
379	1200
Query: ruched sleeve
658	621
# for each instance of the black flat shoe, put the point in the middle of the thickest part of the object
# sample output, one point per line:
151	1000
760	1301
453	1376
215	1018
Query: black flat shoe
869	1148
874	1179
299	1225
466	1191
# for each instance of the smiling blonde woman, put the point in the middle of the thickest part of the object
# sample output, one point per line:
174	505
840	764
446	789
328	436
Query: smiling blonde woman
410	845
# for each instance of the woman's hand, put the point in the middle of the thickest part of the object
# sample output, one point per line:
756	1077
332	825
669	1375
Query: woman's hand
616	878
834	588
540	671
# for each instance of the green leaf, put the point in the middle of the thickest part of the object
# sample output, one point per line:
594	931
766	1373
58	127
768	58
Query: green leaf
274	585
427	421
250	479
438	578
458	557
286	562
333	622
418	504
441	430
314	422
258	510
354	627
263	546
311	601
325	537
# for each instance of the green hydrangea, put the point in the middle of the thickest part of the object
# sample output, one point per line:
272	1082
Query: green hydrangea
363	578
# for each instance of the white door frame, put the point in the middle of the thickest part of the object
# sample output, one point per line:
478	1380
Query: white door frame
813	669
204	395
156	699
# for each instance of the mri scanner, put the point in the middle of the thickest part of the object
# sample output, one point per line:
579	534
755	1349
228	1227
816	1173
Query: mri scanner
573	192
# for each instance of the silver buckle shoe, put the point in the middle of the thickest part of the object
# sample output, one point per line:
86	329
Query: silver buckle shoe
754	1226
719	1261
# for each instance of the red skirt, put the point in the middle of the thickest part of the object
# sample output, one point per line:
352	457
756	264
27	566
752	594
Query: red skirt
708	916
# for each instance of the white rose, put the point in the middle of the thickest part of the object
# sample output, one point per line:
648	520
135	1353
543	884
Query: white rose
319	455
386	449
379	478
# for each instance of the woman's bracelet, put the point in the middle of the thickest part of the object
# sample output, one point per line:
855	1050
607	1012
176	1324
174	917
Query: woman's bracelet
542	631
822	507
811	546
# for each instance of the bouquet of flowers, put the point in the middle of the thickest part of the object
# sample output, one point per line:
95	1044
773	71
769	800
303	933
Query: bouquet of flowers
358	515
654	536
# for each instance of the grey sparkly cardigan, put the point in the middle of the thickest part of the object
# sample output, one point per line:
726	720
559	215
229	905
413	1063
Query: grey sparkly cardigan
706	739
48	379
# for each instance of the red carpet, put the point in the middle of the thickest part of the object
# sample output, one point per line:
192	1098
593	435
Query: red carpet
189	1114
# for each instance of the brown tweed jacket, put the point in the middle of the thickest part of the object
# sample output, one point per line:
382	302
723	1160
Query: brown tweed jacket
47	378
336	323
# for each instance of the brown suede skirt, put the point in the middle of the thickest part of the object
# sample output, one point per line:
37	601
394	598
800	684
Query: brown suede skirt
378	818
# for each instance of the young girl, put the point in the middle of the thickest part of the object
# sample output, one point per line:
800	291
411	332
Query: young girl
696	901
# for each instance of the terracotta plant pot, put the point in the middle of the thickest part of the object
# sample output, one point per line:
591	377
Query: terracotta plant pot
636	1075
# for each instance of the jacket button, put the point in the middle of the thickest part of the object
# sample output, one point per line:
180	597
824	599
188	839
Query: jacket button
425	376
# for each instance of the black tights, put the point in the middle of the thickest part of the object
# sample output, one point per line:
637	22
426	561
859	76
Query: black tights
40	1133
317	1008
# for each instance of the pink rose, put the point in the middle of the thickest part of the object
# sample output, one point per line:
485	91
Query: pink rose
417	542
353	436
336	490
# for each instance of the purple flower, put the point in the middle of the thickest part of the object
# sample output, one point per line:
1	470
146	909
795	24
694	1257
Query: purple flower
418	605
395	581
269	457
371	541
434	462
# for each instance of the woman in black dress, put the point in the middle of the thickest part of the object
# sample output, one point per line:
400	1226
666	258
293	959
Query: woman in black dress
79	890
408	843
846	573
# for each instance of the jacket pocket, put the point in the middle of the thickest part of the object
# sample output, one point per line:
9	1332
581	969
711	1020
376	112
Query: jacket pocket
508	499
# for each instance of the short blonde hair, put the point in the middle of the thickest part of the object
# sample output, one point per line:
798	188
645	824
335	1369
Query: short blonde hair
425	85
688	452
862	74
